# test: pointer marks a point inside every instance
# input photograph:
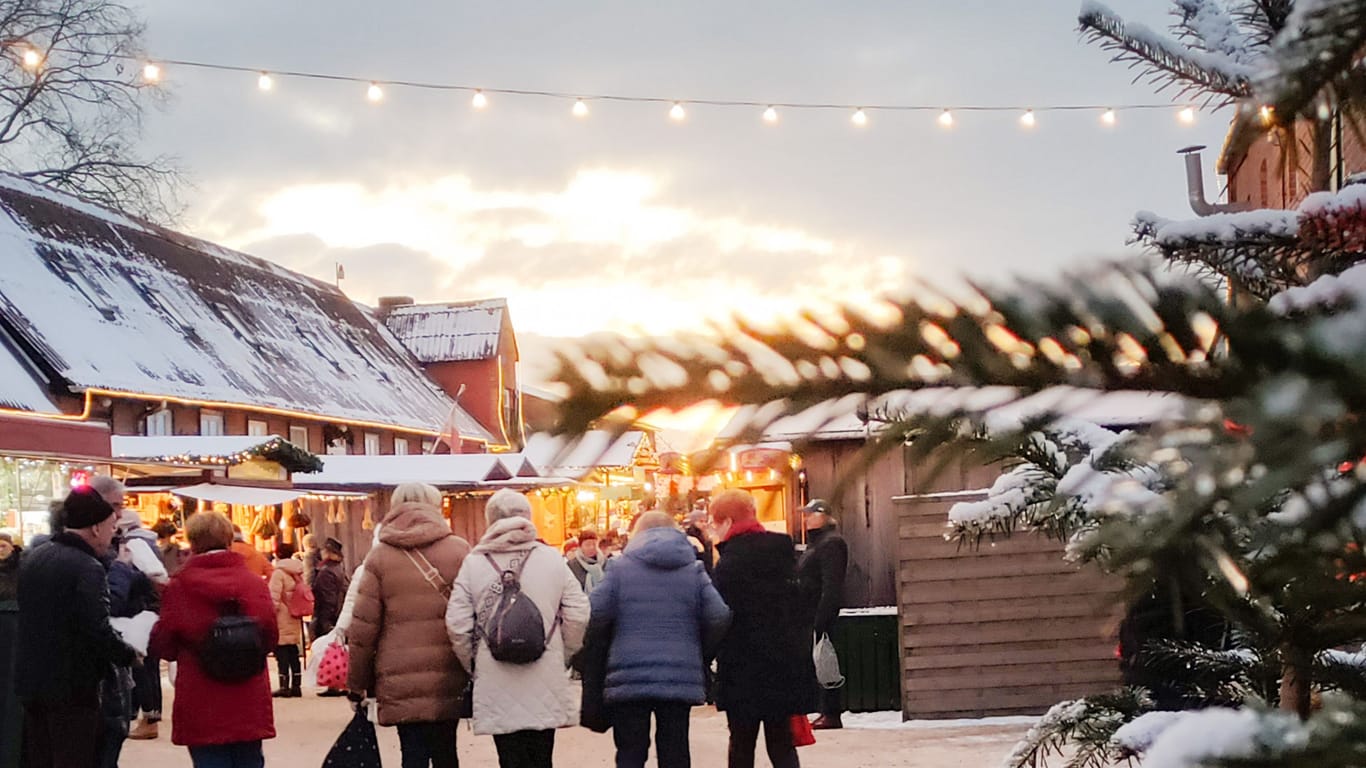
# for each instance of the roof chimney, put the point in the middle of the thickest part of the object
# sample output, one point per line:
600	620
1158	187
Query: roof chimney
387	304
1195	186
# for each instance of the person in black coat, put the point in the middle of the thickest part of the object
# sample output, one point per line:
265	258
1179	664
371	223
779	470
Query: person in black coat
821	572
764	670
66	644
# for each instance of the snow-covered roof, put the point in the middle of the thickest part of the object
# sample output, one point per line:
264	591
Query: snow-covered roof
443	470
109	302
20	388
561	456
540	393
831	420
215	449
441	333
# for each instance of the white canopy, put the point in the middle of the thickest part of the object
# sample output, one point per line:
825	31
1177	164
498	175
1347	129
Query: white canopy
239	494
470	469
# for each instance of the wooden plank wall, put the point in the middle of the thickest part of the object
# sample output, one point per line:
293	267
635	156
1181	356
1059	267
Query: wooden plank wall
1008	629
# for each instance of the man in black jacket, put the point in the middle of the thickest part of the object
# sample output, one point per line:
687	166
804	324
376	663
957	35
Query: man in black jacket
821	572
66	644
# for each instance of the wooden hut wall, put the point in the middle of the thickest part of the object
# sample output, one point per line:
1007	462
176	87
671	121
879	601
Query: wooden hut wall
349	521
467	516
867	516
1008	628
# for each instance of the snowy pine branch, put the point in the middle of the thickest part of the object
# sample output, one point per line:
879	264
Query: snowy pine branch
1316	58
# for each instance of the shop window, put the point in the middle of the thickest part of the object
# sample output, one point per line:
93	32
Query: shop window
257	428
160	423
210	423
371	444
299	436
400	446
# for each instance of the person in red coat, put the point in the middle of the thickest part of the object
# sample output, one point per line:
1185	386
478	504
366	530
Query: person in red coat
223	724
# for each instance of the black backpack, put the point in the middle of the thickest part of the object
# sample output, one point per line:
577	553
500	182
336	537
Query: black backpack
235	648
515	631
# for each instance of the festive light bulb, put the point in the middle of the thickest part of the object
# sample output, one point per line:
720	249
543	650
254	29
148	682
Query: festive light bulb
1027	119
946	119
374	93
1108	117
151	72
677	112
1187	115
580	109
1267	114
860	117
770	115
264	82
32	59
480	100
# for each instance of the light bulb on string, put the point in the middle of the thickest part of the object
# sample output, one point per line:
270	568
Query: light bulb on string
859	118
676	112
1108	117
770	115
32	59
580	108
1027	119
1187	115
151	72
480	100
374	93
265	82
1267	114
946	119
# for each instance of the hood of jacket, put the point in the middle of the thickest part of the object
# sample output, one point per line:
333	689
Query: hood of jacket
209	574
290	566
413	525
663	548
511	534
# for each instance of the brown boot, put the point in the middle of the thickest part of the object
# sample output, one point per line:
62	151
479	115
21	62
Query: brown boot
143	731
824	723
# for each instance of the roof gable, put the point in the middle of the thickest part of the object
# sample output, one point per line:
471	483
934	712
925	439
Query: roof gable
111	303
453	332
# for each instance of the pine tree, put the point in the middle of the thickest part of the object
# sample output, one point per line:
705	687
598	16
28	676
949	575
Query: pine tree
1254	499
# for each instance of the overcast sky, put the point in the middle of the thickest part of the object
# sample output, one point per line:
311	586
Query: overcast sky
625	219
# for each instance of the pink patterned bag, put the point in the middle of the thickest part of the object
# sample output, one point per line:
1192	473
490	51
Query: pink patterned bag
334	667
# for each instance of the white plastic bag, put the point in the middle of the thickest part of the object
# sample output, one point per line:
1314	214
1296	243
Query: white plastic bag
827	663
136	631
315	657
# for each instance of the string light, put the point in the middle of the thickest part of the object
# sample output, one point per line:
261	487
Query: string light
677	112
1187	115
151	72
946	119
32	59
480	100
1108	117
1267	114
374	93
580	108
264	82
770	115
860	118
1027	119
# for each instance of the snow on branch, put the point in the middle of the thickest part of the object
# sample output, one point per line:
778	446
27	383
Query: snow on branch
1207	26
1315	56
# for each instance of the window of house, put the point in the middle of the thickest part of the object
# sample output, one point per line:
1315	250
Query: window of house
257	428
210	423
428	446
400	446
160	423
299	436
371	444
337	447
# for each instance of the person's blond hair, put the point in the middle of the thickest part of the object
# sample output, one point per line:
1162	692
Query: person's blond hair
653	519
419	493
208	531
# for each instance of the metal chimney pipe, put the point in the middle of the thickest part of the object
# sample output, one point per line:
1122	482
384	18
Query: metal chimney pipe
1195	186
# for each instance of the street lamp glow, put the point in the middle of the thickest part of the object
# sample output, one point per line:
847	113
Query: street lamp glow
860	117
151	72
770	115
264	82
374	93
1027	119
677	112
480	100
946	119
580	108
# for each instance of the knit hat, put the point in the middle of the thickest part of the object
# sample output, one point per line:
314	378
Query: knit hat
84	507
332	545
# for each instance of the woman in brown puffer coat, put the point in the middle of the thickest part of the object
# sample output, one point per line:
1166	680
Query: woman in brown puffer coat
400	651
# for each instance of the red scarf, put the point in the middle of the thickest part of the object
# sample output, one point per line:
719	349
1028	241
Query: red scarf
748	526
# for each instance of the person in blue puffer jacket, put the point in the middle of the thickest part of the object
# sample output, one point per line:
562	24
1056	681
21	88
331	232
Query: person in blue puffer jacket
659	620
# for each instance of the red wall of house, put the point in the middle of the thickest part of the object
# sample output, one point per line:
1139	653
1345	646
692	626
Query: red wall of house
1261	178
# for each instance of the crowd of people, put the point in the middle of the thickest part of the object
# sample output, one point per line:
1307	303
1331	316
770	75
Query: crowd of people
713	607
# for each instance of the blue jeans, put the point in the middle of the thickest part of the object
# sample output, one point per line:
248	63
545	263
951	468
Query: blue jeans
241	754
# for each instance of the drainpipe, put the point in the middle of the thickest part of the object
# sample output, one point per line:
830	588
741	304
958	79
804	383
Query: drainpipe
1195	186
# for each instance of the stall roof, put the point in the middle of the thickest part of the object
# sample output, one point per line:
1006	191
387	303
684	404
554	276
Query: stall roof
576	457
465	470
224	449
245	495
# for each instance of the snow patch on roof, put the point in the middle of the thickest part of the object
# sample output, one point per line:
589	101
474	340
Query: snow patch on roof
19	387
445	470
136	447
440	333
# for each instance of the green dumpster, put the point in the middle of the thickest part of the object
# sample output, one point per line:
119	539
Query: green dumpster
11	717
867	640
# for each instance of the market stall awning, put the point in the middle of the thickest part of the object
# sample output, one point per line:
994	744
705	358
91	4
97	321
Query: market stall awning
467	470
221	450
576	457
245	495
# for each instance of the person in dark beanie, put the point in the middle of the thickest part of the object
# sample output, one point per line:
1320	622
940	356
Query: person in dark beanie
820	573
330	583
65	640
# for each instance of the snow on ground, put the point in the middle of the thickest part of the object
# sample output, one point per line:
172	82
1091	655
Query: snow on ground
891	721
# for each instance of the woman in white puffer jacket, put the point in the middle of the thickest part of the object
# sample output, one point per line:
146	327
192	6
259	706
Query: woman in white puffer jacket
520	705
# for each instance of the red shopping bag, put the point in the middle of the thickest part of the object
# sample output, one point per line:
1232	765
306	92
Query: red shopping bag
802	734
333	668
